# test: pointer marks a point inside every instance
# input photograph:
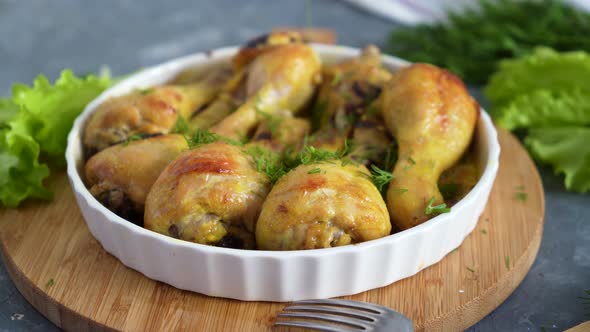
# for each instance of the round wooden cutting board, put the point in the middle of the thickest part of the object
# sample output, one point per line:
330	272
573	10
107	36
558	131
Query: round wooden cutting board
64	272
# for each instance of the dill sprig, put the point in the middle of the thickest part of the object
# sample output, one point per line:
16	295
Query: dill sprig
390	156
133	138
272	122
471	42
146	91
380	177
312	155
315	171
437	209
181	126
336	79
268	162
202	136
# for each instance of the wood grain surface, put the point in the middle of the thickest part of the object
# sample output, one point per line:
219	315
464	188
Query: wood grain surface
64	272
584	327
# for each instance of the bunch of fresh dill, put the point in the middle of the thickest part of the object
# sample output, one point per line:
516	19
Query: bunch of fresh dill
472	42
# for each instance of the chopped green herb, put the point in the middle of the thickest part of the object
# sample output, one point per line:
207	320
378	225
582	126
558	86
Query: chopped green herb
50	283
411	160
484	231
345	162
132	138
314	171
437	209
312	155
448	190
470	269
521	196
268	162
181	126
432	164
401	190
273	122
146	91
336	79
390	157
507	262
202	137
380	177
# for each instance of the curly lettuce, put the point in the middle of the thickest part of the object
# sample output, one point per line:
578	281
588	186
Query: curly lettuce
567	150
548	94
34	123
544	69
545	108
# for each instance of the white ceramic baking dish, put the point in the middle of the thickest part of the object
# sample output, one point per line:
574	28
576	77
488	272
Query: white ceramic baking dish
267	275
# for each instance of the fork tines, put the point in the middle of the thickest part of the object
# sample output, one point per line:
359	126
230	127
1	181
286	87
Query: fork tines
342	315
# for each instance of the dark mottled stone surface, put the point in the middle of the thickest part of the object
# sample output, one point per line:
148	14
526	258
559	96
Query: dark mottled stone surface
40	36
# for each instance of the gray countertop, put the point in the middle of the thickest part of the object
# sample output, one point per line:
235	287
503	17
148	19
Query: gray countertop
40	36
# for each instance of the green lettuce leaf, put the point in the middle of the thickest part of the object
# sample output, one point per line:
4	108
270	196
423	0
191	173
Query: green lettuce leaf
544	108
567	150
35	121
49	110
548	94
544	69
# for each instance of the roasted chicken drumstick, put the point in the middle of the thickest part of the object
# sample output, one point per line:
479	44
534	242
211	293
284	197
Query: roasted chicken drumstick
280	79
121	176
150	111
432	117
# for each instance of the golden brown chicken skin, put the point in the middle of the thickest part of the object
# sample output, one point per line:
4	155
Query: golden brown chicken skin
281	79
121	176
150	111
311	209
432	117
346	93
210	195
230	97
281	131
264	43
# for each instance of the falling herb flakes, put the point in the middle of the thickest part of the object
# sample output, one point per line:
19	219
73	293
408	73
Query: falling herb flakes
315	171
437	209
521	196
470	269
50	283
507	262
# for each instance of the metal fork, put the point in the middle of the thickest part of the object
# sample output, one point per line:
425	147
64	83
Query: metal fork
343	315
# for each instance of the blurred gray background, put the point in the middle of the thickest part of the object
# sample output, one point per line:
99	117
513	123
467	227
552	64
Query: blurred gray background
42	36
